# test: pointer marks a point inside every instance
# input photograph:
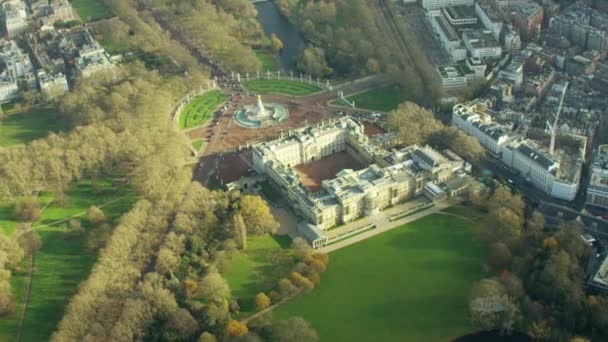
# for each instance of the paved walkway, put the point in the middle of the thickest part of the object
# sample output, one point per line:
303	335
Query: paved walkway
383	224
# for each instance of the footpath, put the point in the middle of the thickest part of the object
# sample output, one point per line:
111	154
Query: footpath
383	224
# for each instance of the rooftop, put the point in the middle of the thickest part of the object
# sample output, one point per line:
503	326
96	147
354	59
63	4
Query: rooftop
480	38
529	9
461	12
446	28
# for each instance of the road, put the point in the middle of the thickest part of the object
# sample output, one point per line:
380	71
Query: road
179	37
217	133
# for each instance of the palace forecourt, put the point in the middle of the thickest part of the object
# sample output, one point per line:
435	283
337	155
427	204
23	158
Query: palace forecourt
385	178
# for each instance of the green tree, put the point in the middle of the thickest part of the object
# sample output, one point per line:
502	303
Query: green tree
236	328
277	44
312	61
95	216
213	287
415	124
27	209
256	215
261	301
294	329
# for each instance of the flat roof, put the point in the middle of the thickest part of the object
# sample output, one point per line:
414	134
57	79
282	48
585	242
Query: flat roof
446	27
530	9
480	38
461	12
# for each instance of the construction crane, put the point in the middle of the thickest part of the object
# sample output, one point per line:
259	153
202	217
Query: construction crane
553	128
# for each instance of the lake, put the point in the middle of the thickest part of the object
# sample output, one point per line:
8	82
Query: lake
273	21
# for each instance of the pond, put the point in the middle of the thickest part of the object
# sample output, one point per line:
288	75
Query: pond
273	21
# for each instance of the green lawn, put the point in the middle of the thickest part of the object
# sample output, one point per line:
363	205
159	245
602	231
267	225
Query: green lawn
197	112
339	102
382	99
62	262
268	61
24	127
258	268
89	10
286	87
408	284
197	144
10	325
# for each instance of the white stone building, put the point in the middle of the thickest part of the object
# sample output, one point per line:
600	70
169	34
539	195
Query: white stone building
52	86
390	178
472	119
447	36
557	175
481	44
18	71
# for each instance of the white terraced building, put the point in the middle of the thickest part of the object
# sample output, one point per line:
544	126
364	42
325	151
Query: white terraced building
390	178
557	175
471	118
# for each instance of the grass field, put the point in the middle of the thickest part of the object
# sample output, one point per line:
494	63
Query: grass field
339	102
408	284
197	112
24	127
382	99
89	10
269	62
62	262
197	144
258	268
286	87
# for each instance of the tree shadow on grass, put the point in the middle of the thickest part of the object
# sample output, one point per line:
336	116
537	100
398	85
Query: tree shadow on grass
283	240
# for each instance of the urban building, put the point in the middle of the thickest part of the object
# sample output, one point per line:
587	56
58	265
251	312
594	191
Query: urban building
92	58
460	74
490	16
389	178
435	4
8	88
473	119
579	65
527	19
481	44
513	73
460	15
17	65
582	26
557	175
15	17
52	86
597	191
448	37
512	40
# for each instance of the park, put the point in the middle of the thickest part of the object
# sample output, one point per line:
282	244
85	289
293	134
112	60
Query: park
198	111
63	261
408	284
